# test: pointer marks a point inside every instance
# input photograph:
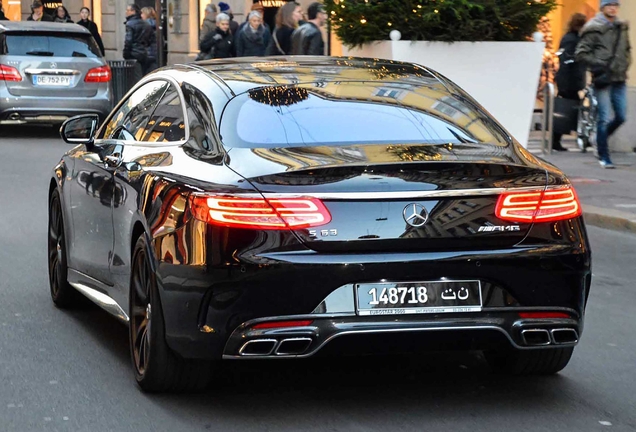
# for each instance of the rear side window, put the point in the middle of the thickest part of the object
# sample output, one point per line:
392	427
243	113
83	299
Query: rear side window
42	44
167	122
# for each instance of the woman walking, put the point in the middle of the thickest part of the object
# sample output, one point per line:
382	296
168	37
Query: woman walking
219	43
570	78
149	15
62	15
253	39
89	25
287	20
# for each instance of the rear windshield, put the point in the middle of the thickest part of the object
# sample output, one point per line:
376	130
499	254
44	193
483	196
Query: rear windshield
295	117
50	45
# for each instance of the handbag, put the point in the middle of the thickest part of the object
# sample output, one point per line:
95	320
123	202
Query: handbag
603	78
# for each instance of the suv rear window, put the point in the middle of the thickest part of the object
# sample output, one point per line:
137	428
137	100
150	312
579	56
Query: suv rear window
50	45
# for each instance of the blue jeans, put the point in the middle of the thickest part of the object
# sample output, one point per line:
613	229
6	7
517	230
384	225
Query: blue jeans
614	97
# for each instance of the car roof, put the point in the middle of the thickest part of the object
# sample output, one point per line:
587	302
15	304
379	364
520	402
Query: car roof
244	73
38	26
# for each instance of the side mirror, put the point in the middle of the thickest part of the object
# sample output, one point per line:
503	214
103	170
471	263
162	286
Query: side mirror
80	129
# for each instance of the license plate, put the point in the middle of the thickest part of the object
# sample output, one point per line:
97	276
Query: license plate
52	80
403	298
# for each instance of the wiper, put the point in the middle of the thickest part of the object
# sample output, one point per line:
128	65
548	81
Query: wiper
41	53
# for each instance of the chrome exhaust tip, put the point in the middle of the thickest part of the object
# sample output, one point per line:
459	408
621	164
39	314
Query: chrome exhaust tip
536	337
258	347
293	346
565	336
14	116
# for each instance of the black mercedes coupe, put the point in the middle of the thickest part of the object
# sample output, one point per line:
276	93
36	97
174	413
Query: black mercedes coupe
289	207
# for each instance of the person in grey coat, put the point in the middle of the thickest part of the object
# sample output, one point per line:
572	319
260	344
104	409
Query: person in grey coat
209	22
605	49
253	38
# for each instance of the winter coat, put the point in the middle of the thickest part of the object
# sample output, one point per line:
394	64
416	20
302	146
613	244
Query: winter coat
570	78
66	20
307	40
152	49
284	36
218	44
92	27
252	43
598	37
208	26
45	17
137	41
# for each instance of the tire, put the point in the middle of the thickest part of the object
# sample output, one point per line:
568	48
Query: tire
157	368
63	294
547	361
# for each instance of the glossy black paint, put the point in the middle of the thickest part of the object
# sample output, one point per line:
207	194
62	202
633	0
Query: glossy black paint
213	280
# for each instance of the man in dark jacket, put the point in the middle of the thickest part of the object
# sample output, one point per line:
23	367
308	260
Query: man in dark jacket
138	36
91	27
37	13
605	50
307	39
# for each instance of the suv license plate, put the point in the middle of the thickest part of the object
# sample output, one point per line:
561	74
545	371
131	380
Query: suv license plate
403	298
52	80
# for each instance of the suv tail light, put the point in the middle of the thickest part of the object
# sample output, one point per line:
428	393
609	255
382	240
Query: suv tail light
550	205
9	73
260	213
98	75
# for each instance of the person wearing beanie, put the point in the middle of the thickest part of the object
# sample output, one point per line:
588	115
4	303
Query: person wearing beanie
225	8
605	50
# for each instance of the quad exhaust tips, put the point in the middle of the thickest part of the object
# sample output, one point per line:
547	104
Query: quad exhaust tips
545	337
273	347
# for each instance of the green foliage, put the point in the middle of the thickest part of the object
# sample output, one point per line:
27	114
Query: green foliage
361	21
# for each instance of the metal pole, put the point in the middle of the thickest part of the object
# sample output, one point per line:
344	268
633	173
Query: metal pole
551	118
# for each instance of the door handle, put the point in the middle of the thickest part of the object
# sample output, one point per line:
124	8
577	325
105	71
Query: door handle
113	161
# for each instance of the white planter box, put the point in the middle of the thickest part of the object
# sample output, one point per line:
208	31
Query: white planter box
502	76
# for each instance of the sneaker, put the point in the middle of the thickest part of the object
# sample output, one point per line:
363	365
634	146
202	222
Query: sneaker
607	164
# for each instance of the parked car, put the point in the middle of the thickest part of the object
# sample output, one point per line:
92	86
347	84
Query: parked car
302	206
50	72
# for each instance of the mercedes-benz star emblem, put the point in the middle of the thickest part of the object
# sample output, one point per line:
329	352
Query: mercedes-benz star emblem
53	65
415	215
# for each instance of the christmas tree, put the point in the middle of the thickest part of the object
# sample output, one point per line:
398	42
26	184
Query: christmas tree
357	22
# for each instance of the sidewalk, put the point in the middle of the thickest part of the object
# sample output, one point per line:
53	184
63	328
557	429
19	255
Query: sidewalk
608	196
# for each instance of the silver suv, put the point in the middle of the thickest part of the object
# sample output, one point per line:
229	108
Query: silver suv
49	72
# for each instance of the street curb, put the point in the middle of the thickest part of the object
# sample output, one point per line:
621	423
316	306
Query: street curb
610	219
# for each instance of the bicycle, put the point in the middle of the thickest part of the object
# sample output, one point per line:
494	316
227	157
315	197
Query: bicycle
587	120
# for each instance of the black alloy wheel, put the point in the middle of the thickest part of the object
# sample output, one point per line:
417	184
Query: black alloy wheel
62	293
157	368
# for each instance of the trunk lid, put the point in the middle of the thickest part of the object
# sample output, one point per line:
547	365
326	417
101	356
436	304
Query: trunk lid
397	198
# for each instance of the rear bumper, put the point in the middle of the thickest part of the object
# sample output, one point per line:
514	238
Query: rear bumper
359	335
24	109
209	312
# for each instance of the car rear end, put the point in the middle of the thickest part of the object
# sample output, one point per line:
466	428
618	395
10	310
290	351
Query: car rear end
50	73
366	227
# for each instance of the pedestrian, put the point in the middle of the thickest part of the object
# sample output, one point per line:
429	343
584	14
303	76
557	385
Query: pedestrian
258	7
137	41
253	38
570	78
220	43
37	12
62	15
225	8
2	16
209	21
605	49
149	15
287	19
91	27
307	39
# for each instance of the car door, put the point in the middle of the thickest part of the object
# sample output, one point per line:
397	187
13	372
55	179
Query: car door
94	191
151	150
